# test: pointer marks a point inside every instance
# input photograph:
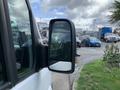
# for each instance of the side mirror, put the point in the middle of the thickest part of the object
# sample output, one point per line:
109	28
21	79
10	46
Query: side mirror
62	46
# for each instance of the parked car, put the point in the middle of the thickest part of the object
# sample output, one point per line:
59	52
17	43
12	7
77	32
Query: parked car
91	42
78	42
110	37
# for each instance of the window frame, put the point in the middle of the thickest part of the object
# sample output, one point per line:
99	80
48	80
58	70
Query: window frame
30	71
22	77
7	54
6	80
9	46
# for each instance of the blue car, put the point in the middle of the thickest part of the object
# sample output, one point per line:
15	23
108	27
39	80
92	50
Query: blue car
91	42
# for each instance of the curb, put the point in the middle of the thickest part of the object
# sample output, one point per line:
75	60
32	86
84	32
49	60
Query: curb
77	77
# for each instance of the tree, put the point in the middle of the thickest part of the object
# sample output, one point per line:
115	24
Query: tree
115	17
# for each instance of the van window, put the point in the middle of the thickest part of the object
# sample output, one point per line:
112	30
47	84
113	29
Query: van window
21	32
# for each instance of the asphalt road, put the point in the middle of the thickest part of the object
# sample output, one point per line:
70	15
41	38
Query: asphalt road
87	54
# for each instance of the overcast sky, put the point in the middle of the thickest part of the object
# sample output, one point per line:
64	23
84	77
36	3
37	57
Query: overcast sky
84	13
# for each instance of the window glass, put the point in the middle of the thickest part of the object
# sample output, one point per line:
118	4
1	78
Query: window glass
21	32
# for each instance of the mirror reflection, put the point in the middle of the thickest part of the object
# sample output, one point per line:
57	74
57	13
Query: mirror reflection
60	46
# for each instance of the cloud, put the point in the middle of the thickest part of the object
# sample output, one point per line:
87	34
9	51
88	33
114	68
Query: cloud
81	12
60	13
18	10
83	23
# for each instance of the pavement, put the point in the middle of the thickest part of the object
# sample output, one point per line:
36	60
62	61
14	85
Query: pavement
66	81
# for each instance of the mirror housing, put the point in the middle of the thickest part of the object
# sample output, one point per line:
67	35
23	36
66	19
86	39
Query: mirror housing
62	46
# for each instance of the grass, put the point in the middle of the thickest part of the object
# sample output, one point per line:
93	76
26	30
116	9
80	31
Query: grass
96	76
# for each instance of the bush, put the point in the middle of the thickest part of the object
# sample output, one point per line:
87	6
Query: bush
112	55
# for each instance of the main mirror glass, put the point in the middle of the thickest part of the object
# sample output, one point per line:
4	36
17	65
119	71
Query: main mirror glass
60	47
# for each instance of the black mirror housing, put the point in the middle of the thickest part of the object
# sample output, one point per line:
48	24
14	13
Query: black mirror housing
62	46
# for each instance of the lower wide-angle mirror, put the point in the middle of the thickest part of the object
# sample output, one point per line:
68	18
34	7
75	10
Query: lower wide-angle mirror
61	50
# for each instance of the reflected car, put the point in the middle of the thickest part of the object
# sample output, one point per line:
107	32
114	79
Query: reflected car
91	42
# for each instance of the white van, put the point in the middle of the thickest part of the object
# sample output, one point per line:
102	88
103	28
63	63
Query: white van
25	63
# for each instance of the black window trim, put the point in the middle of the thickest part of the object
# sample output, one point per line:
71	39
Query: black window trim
34	33
32	23
10	72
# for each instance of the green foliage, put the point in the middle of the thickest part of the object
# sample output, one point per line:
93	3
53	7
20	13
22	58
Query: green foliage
115	17
96	76
112	56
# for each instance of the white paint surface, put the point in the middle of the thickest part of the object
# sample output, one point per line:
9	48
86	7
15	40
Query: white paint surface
37	81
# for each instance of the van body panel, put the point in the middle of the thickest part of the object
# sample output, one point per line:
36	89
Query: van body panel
38	81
